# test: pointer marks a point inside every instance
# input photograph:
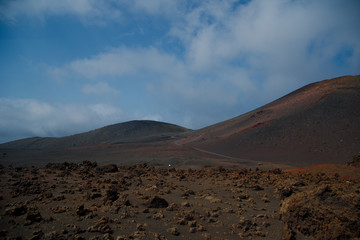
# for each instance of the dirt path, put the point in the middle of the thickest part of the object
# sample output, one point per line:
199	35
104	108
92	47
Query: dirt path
237	162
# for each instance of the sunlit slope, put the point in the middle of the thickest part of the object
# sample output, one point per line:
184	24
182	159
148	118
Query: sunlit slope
319	123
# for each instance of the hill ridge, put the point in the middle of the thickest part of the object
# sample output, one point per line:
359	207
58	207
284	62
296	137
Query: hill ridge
317	121
130	131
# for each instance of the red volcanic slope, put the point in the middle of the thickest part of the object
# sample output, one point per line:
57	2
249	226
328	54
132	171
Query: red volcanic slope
318	123
343	171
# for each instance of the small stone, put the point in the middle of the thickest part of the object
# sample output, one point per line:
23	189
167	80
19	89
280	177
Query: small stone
33	216
81	211
158	202
158	216
37	234
185	204
192	230
16	211
140	227
206	236
174	231
172	207
265	198
200	228
192	223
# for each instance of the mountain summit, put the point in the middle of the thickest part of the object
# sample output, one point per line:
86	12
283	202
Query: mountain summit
127	132
318	123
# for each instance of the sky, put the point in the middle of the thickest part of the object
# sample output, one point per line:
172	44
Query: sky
71	66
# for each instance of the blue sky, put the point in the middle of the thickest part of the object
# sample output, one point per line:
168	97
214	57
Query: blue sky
74	65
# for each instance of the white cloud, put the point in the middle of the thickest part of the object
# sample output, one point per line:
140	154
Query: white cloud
163	74
29	117
154	7
94	11
100	88
57	73
154	117
272	39
123	61
106	112
233	54
98	12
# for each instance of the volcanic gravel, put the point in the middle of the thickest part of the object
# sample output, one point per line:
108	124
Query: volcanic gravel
87	201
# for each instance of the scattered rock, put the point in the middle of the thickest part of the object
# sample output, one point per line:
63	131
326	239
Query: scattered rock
318	206
213	199
59	209
275	171
33	216
101	226
158	202
265	198
109	168
192	230
81	211
174	231
37	235
286	192
17	210
355	161
111	195
158	216
306	211
185	204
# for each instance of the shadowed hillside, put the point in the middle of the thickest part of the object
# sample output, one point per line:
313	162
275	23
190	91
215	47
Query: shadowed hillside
132	131
318	123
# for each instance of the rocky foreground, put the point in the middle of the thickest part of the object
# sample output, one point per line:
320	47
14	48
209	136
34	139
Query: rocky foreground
86	201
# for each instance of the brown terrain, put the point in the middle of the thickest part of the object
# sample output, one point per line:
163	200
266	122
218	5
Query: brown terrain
316	124
278	172
86	201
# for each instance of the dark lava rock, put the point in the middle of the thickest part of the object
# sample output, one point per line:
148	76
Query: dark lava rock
355	161
3	233
157	202
275	171
285	193
95	195
89	164
33	216
111	195
109	168
324	212
37	234
17	210
61	166
81	211
257	188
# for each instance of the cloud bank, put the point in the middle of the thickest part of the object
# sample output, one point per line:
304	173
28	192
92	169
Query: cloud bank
30	117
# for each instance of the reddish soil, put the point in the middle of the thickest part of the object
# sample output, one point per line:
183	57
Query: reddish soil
87	201
92	147
343	171
314	125
259	124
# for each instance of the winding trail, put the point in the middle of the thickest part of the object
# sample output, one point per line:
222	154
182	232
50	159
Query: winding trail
217	154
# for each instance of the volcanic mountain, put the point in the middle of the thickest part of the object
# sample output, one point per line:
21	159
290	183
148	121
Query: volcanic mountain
127	132
318	123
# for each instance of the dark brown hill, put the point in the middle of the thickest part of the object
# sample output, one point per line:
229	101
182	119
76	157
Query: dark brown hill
316	124
127	132
319	123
